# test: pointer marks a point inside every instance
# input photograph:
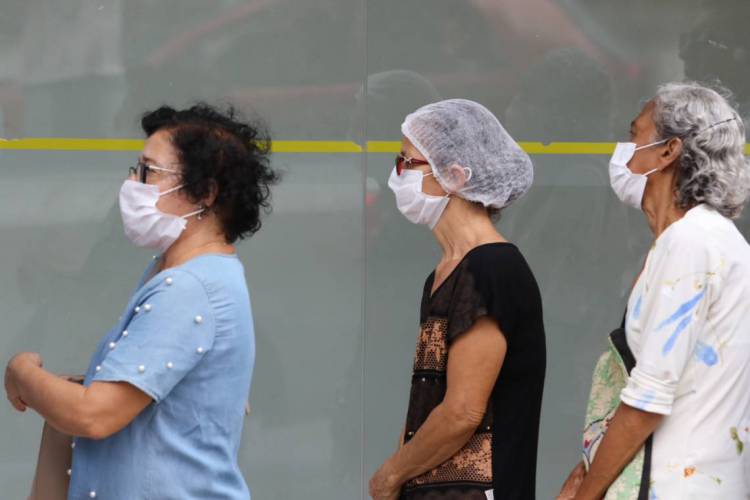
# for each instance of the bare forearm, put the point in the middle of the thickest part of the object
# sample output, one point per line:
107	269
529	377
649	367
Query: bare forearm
627	432
439	438
57	400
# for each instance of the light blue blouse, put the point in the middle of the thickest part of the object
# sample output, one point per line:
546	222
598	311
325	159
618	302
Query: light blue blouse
186	339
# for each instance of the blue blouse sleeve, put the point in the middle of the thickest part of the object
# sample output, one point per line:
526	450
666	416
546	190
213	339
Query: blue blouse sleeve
170	332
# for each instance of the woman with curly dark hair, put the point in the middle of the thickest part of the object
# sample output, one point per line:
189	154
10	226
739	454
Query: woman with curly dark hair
160	411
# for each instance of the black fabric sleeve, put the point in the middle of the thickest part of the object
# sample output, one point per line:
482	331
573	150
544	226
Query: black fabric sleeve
481	290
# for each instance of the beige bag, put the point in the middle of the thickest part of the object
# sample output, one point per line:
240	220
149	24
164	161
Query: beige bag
51	478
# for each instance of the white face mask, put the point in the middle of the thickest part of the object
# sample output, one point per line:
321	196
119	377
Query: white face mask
628	186
145	225
416	206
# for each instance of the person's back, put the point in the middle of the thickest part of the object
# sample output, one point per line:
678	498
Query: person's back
516	399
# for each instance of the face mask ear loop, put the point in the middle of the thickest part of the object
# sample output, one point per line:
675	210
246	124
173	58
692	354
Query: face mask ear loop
468	177
171	190
447	195
648	146
469	174
197	212
651	144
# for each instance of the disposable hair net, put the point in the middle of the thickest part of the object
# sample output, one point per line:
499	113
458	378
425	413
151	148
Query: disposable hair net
458	133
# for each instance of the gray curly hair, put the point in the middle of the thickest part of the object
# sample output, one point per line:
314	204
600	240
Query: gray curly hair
713	168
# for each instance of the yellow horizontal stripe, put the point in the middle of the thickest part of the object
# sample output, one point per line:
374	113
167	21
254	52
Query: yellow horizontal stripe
383	146
69	144
315	147
568	148
76	144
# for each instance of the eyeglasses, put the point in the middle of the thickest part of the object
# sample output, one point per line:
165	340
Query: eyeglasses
140	171
403	162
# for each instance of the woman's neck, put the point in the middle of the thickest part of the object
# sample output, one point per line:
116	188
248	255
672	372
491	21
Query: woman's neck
462	227
191	244
662	212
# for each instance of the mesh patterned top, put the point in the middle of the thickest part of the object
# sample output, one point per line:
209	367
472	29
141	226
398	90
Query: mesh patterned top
500	458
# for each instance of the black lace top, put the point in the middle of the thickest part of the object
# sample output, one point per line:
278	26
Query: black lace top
492	280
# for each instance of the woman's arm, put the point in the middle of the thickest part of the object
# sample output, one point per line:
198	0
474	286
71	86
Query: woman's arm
627	432
474	362
94	412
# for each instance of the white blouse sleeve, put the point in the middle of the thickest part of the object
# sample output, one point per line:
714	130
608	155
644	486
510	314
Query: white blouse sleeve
681	281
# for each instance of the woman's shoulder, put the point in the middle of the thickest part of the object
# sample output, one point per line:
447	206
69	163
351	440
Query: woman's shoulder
701	240
496	265
176	284
701	229
200	277
500	250
496	257
219	281
215	270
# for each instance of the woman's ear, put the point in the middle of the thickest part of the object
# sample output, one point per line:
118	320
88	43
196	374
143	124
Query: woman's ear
672	152
458	176
213	192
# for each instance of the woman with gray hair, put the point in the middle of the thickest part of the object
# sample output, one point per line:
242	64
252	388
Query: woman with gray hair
471	429
669	413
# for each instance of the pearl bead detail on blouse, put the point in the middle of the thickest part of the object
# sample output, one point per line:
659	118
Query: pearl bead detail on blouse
199	350
170	365
168	281
199	319
141	369
147	307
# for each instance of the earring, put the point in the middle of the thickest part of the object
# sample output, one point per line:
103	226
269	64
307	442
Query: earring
200	214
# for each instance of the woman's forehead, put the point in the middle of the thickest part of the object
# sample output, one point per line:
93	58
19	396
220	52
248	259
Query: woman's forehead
644	120
409	149
158	148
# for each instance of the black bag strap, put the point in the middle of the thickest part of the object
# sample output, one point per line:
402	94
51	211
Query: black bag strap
621	344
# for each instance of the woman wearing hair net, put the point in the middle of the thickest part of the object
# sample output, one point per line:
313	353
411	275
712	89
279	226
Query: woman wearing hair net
669	412
473	417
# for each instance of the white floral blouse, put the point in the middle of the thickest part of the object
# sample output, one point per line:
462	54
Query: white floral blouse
688	326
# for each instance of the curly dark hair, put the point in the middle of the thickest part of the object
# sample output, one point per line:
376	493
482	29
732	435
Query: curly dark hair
219	149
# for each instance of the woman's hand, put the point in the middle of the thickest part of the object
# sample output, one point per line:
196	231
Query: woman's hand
16	366
571	485
384	485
